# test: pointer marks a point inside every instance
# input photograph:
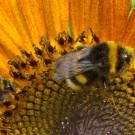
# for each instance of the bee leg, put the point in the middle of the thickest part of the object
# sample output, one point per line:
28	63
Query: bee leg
104	82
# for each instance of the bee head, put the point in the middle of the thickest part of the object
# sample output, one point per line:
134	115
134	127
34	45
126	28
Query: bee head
130	58
125	58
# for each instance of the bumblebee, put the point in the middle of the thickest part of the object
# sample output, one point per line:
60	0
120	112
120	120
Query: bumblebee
93	64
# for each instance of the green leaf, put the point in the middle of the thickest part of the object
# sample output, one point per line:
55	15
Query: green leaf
132	3
132	7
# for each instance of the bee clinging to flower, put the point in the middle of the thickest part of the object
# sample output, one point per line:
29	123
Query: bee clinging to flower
94	64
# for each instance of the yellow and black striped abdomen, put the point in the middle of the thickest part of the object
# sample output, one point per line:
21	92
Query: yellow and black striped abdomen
84	79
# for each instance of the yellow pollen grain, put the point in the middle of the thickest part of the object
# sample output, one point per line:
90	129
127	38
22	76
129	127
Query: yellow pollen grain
81	79
132	99
72	85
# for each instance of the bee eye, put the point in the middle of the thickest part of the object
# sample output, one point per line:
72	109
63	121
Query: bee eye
125	57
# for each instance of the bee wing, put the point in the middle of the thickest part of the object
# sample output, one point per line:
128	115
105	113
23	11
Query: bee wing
70	65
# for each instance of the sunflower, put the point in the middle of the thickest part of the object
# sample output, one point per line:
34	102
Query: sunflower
33	34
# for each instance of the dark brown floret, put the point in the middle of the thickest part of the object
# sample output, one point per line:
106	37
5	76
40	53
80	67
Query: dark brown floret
94	36
82	37
63	38
7	103
37	50
7	113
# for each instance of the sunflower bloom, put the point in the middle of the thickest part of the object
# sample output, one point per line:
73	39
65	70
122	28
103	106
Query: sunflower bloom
33	34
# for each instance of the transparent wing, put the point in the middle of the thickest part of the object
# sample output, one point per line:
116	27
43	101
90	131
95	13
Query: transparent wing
71	64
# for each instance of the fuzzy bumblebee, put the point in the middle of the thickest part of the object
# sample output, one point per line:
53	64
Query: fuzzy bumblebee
95	63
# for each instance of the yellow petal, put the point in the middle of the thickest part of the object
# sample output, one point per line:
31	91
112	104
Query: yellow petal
32	18
129	35
24	22
56	16
112	17
83	14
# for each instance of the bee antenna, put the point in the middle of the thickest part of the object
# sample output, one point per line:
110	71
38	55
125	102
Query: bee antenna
94	36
